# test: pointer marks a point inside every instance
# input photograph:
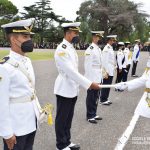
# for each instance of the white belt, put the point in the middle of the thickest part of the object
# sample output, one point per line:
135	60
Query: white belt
23	99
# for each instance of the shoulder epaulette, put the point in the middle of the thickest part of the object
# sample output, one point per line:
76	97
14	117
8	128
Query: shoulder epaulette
91	47
4	60
64	46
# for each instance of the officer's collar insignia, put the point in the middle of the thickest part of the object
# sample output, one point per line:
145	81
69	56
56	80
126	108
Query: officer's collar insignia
4	60
91	47
64	46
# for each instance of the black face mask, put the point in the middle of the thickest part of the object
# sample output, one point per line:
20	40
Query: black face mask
99	42
27	46
114	45
75	40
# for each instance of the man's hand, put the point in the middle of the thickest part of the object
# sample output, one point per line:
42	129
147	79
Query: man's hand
11	142
121	86
95	86
106	77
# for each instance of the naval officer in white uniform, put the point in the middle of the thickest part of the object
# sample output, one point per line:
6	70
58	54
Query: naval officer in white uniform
93	71
128	60
120	59
109	63
135	57
143	107
18	114
67	85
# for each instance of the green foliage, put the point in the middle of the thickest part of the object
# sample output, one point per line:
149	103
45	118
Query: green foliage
7	9
7	12
114	17
44	19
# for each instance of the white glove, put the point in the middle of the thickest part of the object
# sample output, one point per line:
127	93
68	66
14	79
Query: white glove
121	86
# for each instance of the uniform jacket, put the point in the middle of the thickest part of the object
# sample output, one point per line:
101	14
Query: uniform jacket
16	118
142	108
68	80
93	63
120	58
136	52
128	56
108	59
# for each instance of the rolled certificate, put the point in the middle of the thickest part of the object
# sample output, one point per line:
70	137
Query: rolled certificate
108	86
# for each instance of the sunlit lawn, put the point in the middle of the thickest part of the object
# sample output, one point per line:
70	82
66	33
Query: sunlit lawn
47	55
34	56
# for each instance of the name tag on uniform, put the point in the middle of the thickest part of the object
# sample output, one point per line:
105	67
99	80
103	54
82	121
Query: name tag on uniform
61	54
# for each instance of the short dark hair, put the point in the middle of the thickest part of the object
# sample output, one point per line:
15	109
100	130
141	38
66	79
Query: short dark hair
8	36
66	30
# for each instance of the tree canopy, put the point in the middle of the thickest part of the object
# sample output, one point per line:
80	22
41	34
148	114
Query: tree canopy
44	19
119	17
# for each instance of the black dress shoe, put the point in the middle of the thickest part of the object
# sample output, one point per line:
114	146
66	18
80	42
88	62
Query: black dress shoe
98	118
105	103
134	75
74	146
109	102
92	121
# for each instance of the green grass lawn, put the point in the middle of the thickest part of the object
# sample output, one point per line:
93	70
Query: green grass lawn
41	55
33	56
37	55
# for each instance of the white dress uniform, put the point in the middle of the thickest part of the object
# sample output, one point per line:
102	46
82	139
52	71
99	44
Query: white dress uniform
108	59
16	118
136	56
128	56
127	63
93	71
108	63
66	89
93	63
120	57
69	79
143	107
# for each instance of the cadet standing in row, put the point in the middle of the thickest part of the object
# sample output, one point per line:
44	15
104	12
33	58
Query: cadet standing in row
67	85
135	57
108	61
120	59
128	61
93	71
17	102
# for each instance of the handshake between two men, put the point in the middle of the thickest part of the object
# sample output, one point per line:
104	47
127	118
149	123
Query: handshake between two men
119	86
